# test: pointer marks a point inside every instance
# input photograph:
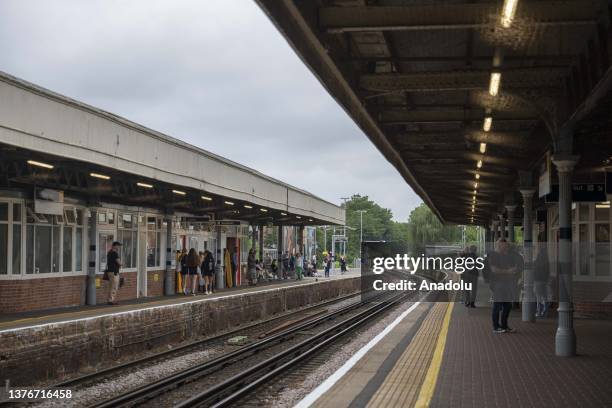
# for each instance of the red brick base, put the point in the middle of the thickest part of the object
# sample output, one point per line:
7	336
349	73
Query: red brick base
22	295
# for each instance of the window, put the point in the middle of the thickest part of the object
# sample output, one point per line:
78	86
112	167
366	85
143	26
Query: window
153	242
127	234
54	243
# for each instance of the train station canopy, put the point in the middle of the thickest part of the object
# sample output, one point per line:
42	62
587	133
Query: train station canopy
459	92
50	141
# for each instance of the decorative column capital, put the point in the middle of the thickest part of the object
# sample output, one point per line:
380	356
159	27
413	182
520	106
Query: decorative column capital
510	208
565	162
527	192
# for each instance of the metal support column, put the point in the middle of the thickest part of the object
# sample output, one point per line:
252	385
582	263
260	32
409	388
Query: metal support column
301	239
502	226
279	246
219	275
565	340
168	284
261	242
495	232
91	265
528	308
510	209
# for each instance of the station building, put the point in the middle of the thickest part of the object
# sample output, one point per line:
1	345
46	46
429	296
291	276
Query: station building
74	178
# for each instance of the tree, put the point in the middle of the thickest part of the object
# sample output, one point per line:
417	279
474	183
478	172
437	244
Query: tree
424	228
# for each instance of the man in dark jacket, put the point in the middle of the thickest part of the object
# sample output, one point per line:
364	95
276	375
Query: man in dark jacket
504	266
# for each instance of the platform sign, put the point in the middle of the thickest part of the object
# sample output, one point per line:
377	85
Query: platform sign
47	201
583	192
609	182
544	184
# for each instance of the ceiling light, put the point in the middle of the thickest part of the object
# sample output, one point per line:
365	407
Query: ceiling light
40	164
179	192
99	176
474	198
603	205
206	198
475	192
488	122
310	219
477	176
248	206
483	148
475	185
263	210
479	164
228	202
298	217
508	12
283	213
144	185
494	83
473	210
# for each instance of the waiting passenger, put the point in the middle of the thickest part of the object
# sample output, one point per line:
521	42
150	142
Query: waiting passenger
299	266
285	261
342	264
184	271
251	267
113	265
274	269
208	271
193	263
541	277
504	266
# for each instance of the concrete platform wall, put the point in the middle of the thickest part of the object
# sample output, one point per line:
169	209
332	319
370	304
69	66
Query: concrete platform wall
48	351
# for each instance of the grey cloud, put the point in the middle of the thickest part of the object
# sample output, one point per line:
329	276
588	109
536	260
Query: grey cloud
216	74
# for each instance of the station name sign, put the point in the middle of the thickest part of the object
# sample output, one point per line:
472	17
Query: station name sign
583	192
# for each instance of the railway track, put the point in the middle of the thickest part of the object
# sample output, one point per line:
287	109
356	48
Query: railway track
258	327
238	386
148	392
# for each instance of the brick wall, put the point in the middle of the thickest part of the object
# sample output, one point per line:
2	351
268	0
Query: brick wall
127	292
20	295
65	348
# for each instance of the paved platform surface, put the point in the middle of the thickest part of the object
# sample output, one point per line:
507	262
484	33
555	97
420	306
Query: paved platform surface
27	319
443	356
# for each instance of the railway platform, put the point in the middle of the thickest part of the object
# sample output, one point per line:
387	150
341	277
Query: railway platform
444	354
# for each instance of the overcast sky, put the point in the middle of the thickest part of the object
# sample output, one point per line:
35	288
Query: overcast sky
214	73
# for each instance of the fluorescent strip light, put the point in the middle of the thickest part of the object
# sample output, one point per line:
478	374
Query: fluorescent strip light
310	219
144	185
263	210
99	176
494	83
508	12
40	164
283	213
248	206
479	164
206	198
483	148
298	217
179	192
488	123
228	202
603	205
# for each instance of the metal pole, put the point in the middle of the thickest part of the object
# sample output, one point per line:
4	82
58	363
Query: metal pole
502	226
219	275
168	286
565	340
528	308
360	231
91	269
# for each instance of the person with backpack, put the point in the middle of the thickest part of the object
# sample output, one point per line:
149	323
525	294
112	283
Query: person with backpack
285	261
113	265
192	264
274	269
208	271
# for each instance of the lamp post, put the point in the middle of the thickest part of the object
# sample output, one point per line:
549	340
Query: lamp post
360	231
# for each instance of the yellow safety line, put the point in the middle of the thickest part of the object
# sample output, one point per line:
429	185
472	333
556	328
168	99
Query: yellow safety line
429	384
